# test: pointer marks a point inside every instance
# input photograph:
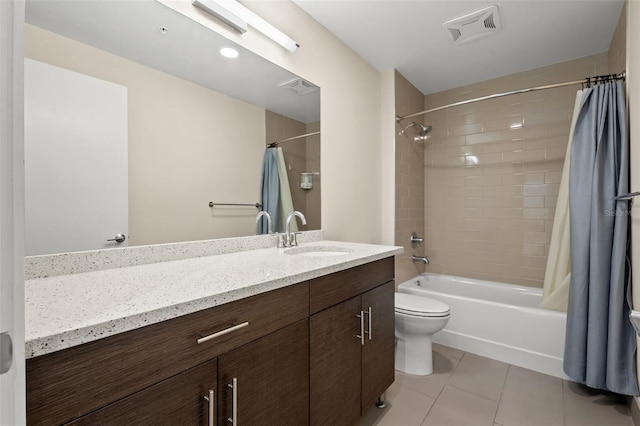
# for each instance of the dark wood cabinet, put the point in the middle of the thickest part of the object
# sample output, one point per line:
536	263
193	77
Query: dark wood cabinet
335	353
294	353
179	400
64	385
271	380
271	385
352	347
71	383
378	353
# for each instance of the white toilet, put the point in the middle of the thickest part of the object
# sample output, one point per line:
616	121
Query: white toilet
417	319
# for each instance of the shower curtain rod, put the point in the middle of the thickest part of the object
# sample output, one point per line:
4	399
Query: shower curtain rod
274	144
586	81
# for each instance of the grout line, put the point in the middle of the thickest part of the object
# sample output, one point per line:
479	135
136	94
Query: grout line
495	416
468	391
564	408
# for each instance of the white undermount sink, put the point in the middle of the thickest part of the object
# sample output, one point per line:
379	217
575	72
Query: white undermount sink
318	251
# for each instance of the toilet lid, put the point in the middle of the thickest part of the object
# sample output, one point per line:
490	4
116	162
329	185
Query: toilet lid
411	304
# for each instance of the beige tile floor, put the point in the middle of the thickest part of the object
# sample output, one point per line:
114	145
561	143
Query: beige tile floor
467	389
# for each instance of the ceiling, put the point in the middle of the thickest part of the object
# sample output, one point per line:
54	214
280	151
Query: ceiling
186	49
409	36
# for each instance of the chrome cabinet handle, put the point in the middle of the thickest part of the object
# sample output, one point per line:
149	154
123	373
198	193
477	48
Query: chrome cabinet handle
119	238
222	332
361	335
369	332
211	405
234	401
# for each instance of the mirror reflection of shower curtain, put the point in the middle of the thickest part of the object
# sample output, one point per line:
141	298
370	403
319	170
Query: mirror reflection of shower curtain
286	202
270	190
276	193
555	292
600	343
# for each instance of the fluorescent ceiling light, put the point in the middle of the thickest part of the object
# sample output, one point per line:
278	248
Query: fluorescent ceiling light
234	14
220	12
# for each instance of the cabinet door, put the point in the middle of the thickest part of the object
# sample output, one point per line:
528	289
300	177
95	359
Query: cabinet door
335	354
179	400
379	349
272	379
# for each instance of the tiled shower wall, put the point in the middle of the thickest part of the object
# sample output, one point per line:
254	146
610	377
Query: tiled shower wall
313	166
301	155
618	47
410	181
483	189
493	171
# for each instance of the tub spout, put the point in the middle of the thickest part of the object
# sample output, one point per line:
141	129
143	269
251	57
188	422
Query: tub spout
423	259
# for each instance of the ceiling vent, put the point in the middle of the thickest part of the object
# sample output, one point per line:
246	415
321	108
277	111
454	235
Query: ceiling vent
299	86
474	25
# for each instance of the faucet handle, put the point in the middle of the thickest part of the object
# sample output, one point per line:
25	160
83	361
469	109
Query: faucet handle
416	240
282	240
294	239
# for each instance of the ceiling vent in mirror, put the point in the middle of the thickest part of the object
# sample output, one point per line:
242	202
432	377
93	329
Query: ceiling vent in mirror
299	86
474	25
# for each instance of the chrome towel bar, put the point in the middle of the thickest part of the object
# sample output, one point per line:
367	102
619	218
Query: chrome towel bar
625	197
256	205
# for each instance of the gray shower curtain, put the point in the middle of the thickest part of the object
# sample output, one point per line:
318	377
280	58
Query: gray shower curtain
270	189
600	342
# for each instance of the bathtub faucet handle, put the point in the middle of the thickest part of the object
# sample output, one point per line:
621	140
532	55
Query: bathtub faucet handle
415	240
423	259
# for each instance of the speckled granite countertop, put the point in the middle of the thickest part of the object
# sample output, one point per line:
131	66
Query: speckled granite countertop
67	310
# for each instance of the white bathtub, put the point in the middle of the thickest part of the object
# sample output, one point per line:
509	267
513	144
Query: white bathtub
495	320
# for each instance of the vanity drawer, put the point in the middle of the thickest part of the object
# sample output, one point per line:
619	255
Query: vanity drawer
67	384
332	289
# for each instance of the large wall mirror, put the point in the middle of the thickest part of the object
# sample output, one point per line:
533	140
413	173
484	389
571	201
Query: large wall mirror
135	123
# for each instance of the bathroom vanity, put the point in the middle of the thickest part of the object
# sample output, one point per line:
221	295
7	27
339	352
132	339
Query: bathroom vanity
285	339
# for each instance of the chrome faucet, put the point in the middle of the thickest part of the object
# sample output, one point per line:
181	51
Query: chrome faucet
423	259
268	216
290	239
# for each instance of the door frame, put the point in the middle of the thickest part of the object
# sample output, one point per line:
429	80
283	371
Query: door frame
12	383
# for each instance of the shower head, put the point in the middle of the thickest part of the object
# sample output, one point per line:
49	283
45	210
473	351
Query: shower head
422	134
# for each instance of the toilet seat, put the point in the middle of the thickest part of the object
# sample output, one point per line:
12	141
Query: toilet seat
418	306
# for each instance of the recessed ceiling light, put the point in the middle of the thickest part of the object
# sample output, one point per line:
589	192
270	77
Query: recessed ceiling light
229	52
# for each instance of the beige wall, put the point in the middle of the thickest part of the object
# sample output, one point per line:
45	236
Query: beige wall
300	155
493	171
388	132
410	181
617	55
351	103
181	137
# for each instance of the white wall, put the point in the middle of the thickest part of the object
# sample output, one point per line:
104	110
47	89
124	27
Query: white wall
12	384
633	92
351	101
